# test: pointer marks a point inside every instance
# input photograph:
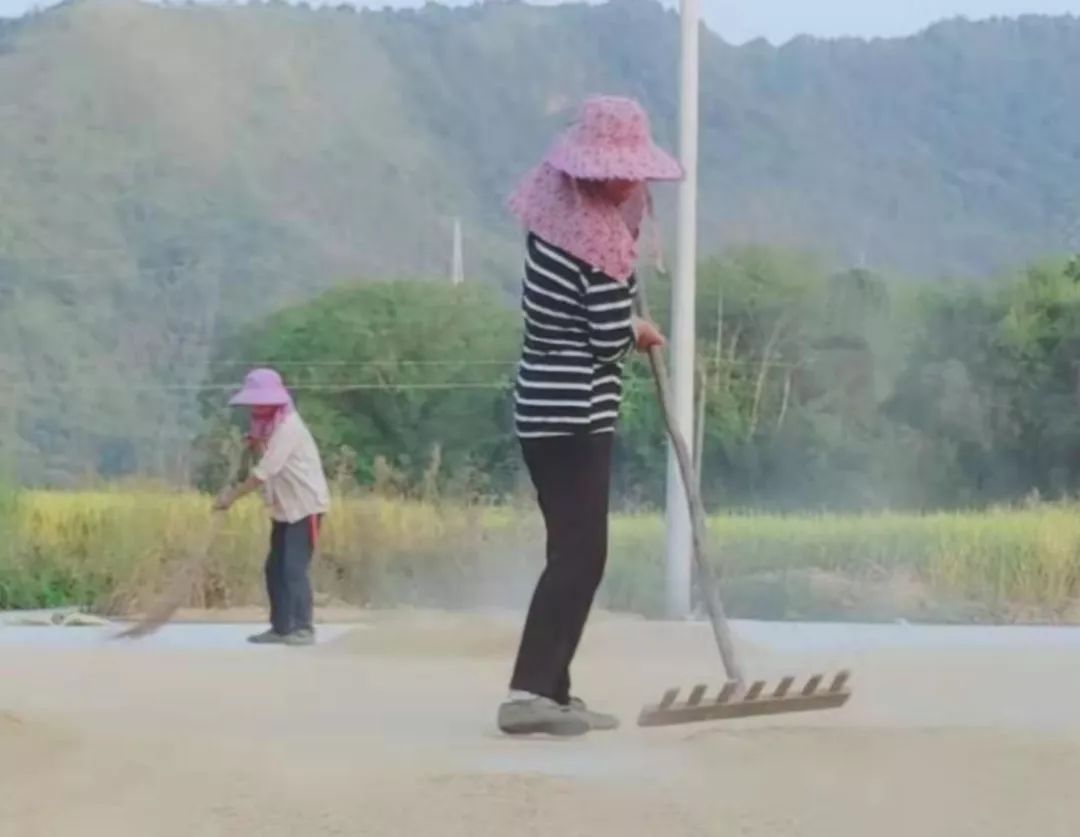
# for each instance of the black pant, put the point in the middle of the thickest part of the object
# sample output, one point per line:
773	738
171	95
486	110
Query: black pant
287	583
572	475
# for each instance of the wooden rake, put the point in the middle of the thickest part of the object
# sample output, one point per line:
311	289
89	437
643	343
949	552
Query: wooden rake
734	699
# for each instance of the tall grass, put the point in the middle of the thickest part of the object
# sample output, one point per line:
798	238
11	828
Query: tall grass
112	550
10	584
999	564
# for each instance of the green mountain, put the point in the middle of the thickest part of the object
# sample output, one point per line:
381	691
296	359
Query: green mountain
167	173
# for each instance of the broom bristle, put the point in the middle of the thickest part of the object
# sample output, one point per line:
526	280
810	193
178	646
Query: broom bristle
179	588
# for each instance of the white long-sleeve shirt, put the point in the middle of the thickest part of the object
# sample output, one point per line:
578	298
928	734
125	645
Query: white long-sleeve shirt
294	485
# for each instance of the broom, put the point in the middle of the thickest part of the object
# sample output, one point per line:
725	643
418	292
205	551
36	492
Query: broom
178	590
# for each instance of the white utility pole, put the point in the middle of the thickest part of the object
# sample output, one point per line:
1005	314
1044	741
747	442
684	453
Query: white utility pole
457	268
683	294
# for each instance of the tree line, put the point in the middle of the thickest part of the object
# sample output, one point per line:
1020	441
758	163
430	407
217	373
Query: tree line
817	389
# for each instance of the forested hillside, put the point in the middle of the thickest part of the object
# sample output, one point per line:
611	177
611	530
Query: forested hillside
168	174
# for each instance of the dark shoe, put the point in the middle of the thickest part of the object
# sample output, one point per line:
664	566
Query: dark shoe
270	637
303	636
543	716
598	721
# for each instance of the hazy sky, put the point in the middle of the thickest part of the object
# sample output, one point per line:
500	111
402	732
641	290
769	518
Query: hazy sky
779	20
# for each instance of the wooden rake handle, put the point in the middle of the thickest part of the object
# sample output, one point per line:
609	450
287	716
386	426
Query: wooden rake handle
706	575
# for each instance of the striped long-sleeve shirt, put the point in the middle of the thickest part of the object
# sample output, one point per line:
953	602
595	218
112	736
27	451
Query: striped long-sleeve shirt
578	330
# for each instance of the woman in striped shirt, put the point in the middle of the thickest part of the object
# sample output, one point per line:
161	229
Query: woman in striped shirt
582	210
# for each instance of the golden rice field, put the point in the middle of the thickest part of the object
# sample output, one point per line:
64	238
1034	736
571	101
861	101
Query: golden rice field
112	550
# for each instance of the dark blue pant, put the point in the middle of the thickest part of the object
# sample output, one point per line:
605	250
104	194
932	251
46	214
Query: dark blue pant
287	582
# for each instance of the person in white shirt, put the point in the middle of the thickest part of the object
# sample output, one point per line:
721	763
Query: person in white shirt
290	475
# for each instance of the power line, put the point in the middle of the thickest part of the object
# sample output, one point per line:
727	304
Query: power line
348	364
351	387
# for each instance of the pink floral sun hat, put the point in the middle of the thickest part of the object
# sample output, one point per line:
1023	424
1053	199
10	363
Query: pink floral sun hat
611	140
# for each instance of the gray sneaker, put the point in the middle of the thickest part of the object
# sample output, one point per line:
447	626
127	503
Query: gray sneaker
270	637
541	715
599	721
303	636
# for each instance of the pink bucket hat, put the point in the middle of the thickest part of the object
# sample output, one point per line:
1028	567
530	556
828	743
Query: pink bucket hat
612	140
262	388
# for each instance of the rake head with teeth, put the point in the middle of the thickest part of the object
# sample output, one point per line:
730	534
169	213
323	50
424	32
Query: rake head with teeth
734	702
